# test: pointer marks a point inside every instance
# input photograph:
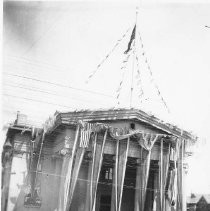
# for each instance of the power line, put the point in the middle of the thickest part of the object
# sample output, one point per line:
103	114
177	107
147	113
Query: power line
57	84
99	182
39	101
34	89
44	34
38	64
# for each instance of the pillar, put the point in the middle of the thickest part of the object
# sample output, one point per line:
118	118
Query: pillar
88	192
137	195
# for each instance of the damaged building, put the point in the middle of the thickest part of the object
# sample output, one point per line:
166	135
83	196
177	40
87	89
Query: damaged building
105	160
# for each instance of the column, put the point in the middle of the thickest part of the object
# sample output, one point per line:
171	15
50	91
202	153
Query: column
142	176
65	162
88	193
137	193
156	191
114	193
57	180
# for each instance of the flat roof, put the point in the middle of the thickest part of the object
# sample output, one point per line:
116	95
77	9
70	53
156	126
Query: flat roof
122	114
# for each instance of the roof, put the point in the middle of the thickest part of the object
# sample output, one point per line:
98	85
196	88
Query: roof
195	198
122	114
106	116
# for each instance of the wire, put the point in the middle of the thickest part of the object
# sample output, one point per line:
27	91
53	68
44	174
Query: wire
139	81
151	74
39	101
57	84
86	180
125	63
107	56
42	35
39	64
94	181
34	89
33	68
104	163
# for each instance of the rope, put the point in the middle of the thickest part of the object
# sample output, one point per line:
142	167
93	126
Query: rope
124	65
107	56
151	74
139	82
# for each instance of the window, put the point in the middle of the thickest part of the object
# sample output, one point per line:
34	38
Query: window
107	173
132	126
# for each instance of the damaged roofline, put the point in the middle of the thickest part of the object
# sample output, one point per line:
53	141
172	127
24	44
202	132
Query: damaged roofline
122	114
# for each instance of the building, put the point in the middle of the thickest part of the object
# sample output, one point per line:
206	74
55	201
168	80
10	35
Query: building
198	202
101	160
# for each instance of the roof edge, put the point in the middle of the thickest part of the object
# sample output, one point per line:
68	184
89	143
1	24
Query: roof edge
123	114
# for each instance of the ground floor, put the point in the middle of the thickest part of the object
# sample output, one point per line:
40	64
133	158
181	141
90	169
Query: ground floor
106	178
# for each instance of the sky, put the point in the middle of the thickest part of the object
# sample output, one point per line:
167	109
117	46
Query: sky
51	48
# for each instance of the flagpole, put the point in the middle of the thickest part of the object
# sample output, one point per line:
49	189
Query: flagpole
134	51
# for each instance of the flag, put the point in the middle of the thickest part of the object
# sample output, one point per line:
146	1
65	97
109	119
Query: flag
131	40
85	134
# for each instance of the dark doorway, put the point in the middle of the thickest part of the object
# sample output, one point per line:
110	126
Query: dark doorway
105	203
129	188
104	192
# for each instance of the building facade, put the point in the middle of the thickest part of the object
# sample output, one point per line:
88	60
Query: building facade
98	160
198	202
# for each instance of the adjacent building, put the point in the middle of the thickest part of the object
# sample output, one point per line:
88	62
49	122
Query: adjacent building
99	160
198	202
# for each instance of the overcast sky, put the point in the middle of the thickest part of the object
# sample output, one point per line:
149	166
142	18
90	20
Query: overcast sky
62	43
